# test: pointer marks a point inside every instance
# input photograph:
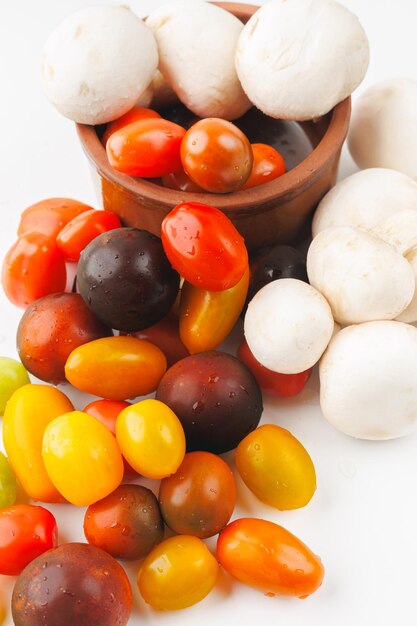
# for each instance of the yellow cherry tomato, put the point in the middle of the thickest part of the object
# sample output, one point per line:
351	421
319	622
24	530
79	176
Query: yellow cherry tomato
28	412
276	467
116	368
151	438
178	573
82	458
207	317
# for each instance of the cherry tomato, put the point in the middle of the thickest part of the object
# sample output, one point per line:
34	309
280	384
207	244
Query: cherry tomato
200	497
134	115
151	438
276	467
149	148
207	317
268	164
216	155
8	484
178	573
26	531
50	216
82	458
203	245
181	182
280	385
165	335
32	268
78	233
30	409
116	367
266	556
12	376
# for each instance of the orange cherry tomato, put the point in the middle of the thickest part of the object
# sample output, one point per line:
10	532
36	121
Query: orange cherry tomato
268	164
216	155
32	268
165	335
50	216
268	557
149	148
78	233
280	385
134	115
207	317
180	181
204	246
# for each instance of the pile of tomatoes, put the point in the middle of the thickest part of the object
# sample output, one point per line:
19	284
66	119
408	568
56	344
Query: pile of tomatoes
144	315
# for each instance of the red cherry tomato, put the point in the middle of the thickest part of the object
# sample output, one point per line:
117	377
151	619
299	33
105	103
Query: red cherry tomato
26	532
268	164
32	268
216	155
165	335
78	233
204	246
281	385
50	216
180	181
135	114
149	148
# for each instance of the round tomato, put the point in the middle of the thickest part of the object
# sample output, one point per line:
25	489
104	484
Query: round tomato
149	148
268	164
12	376
50	216
134	115
204	246
8	484
216	155
78	233
181	182
26	531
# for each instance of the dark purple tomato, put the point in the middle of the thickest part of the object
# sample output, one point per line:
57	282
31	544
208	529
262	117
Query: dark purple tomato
127	523
73	585
126	279
50	329
200	497
216	398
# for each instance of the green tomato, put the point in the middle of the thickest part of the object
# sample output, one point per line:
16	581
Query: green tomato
12	376
8	484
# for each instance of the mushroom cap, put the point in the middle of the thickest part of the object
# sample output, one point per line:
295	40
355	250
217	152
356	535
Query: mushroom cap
362	277
296	60
197	43
97	63
409	314
368	380
365	198
383	129
399	230
288	325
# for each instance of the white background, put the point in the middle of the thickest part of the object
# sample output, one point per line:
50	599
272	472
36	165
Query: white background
362	520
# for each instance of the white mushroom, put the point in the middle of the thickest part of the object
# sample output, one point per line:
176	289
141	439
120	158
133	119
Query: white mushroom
383	131
399	230
296	60
368	380
362	277
410	313
365	198
97	63
288	325
163	94
197	43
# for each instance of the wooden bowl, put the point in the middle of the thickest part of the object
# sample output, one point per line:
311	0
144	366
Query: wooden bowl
277	212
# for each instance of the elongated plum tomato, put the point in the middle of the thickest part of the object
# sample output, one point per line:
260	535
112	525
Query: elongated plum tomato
268	164
268	557
204	246
50	216
78	233
26	531
134	115
177	573
32	268
148	148
216	155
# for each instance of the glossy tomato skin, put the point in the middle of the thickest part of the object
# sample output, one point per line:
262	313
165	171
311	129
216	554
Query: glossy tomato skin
165	335
266	556
200	497
222	403
26	531
80	231
149	148
127	523
13	375
50	216
134	115
177	573
268	164
204	246
8	484
73	585
32	268
216	155
181	182
50	329
274	383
